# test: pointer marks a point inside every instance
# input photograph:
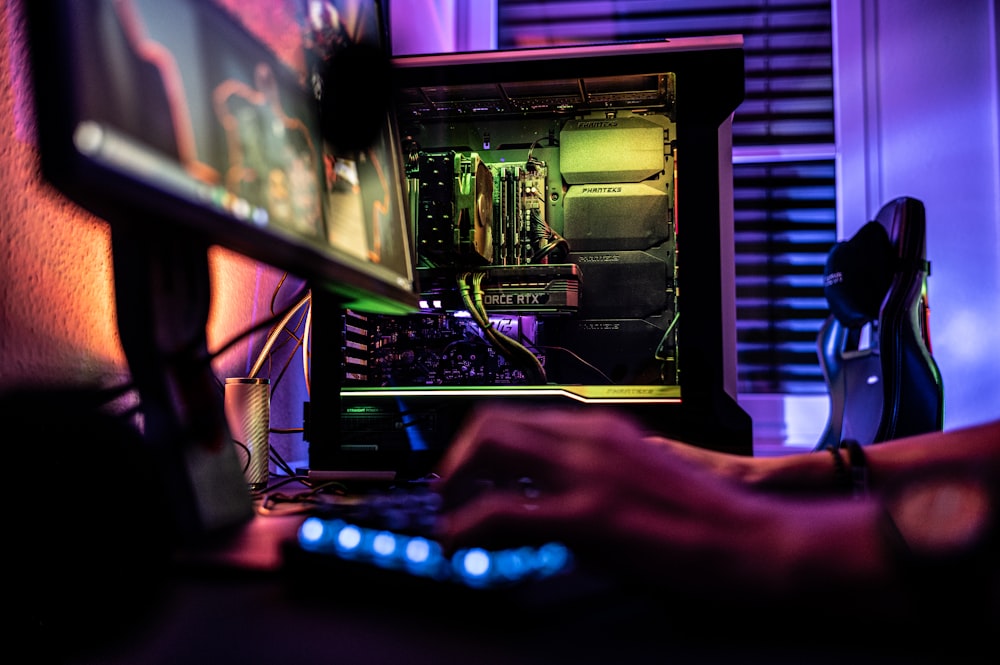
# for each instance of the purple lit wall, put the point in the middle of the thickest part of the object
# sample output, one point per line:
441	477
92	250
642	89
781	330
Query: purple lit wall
442	26
917	85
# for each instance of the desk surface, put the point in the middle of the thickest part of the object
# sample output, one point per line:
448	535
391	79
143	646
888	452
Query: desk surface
234	604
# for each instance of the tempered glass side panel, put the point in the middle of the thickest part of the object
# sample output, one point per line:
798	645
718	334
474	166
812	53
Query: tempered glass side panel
572	218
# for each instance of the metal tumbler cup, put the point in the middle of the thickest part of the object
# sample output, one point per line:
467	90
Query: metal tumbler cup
248	413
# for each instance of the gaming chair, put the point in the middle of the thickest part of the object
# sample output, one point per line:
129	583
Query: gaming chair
874	348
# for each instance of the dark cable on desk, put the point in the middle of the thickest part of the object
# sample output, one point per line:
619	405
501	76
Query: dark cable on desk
302	502
246	453
280	462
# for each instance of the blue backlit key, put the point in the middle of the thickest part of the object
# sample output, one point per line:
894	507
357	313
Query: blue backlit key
421	556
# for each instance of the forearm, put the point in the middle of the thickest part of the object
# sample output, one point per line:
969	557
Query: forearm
818	472
821	562
811	472
847	559
833	556
796	553
977	446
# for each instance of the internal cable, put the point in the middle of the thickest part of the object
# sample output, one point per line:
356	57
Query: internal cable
510	348
515	349
549	243
660	353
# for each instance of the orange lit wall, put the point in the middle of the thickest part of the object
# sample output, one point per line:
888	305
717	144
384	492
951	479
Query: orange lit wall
57	304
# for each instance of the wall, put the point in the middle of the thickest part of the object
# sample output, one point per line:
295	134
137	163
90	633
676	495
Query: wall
916	94
918	116
57	309
442	26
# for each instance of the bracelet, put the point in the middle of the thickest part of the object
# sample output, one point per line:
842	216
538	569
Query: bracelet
840	472
859	468
855	479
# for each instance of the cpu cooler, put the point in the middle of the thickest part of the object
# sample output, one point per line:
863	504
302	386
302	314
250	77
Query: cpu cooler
455	209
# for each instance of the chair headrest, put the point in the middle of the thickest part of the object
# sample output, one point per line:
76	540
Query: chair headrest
858	274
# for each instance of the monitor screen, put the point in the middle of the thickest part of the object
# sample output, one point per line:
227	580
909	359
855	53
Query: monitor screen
176	112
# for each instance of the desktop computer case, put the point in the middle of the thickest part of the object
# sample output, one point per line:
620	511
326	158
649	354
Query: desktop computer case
591	189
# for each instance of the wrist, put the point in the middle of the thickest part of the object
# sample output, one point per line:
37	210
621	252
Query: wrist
811	472
850	475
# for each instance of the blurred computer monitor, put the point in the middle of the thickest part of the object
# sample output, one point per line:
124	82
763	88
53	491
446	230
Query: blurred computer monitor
189	123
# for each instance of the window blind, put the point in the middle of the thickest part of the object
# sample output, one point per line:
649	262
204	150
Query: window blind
783	156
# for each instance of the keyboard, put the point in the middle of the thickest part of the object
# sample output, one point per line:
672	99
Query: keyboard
383	544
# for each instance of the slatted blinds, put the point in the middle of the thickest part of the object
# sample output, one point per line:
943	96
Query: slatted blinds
783	156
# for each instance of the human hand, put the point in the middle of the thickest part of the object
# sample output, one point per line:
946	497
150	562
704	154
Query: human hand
587	478
530	470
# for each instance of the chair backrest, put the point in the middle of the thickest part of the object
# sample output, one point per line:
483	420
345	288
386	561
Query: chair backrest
874	348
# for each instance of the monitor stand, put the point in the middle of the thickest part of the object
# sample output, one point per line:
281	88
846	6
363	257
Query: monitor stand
162	293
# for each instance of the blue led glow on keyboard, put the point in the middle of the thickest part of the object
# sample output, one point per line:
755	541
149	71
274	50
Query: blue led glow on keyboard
421	556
